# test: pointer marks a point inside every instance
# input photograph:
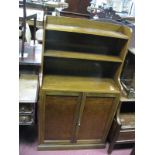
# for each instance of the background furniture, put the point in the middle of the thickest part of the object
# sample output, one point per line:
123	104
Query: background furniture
82	62
77	9
31	62
28	97
29	70
46	6
128	76
123	127
74	14
133	151
25	18
78	6
128	72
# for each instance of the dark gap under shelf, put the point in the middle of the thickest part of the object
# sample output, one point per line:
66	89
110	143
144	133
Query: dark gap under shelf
75	67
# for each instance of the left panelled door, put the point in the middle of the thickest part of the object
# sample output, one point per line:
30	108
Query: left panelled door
60	113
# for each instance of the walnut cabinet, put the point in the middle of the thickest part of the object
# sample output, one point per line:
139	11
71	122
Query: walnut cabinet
81	66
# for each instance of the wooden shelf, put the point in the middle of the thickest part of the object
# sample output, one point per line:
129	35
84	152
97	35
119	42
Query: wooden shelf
26	123
79	84
85	30
79	55
127	120
125	99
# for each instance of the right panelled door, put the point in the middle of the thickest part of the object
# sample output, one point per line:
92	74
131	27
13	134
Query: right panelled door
96	118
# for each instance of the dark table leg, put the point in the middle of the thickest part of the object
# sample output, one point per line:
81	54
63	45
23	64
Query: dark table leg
133	151
112	144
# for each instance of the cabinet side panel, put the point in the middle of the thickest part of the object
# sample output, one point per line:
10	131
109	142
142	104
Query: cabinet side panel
59	117
95	116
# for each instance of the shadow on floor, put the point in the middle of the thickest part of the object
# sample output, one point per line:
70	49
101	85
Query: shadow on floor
28	134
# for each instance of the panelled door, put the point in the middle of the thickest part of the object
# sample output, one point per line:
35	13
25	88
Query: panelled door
96	118
59	116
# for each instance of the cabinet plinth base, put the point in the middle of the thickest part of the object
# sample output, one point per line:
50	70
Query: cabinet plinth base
69	146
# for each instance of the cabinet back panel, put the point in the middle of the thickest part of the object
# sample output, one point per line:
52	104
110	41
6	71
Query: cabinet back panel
94	118
83	43
64	66
59	117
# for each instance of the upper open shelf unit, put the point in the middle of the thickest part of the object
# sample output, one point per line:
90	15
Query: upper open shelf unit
83	49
